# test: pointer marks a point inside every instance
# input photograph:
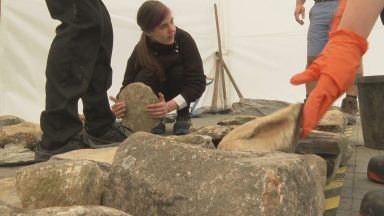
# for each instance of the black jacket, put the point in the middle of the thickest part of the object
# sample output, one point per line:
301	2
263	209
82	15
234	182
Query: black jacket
184	51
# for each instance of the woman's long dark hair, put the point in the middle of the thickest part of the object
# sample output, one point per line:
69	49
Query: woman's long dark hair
150	15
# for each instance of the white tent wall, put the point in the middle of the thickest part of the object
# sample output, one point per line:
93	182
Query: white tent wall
266	47
263	47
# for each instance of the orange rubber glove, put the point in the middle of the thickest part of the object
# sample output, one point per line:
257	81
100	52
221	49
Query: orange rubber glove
335	70
338	15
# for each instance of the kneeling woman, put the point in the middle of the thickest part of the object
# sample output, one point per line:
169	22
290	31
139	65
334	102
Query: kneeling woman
166	59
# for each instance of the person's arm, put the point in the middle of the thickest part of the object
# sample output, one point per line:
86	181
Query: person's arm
360	16
194	78
300	11
337	64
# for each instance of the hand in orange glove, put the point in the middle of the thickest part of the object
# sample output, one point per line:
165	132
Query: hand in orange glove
335	70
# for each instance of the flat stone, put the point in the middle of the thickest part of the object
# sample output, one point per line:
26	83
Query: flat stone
137	96
275	132
237	120
258	107
195	140
13	154
26	134
61	183
75	211
7	120
104	155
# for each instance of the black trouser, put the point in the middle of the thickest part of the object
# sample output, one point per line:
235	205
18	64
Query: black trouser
171	87
78	66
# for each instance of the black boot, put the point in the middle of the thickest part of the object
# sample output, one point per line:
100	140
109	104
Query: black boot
42	154
160	128
113	137
182	125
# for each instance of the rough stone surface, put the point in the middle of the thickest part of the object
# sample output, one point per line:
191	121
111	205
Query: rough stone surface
318	167
152	175
215	132
61	183
258	107
7	120
7	210
137	96
320	142
237	120
104	155
195	140
346	147
26	134
8	193
275	132
75	211
16	155
333	121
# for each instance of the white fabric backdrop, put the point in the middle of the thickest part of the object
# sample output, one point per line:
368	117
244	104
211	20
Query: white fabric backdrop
264	47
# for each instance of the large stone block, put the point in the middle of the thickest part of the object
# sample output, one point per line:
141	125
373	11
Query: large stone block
152	175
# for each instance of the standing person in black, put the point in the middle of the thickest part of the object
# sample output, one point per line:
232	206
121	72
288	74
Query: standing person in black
78	66
166	59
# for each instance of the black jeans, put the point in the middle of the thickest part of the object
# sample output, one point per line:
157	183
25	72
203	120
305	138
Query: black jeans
171	87
78	66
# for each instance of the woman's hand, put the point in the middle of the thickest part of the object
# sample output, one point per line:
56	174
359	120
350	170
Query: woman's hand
118	108
158	110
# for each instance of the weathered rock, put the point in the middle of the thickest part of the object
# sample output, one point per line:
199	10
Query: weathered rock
7	120
318	168
333	121
75	211
26	134
346	147
8	193
195	139
16	155
104	155
7	210
258	107
333	164
275	132
215	132
152	175
61	183
320	142
137	96
237	120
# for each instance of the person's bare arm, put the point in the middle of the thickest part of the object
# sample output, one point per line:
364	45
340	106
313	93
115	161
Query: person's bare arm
300	11
360	16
